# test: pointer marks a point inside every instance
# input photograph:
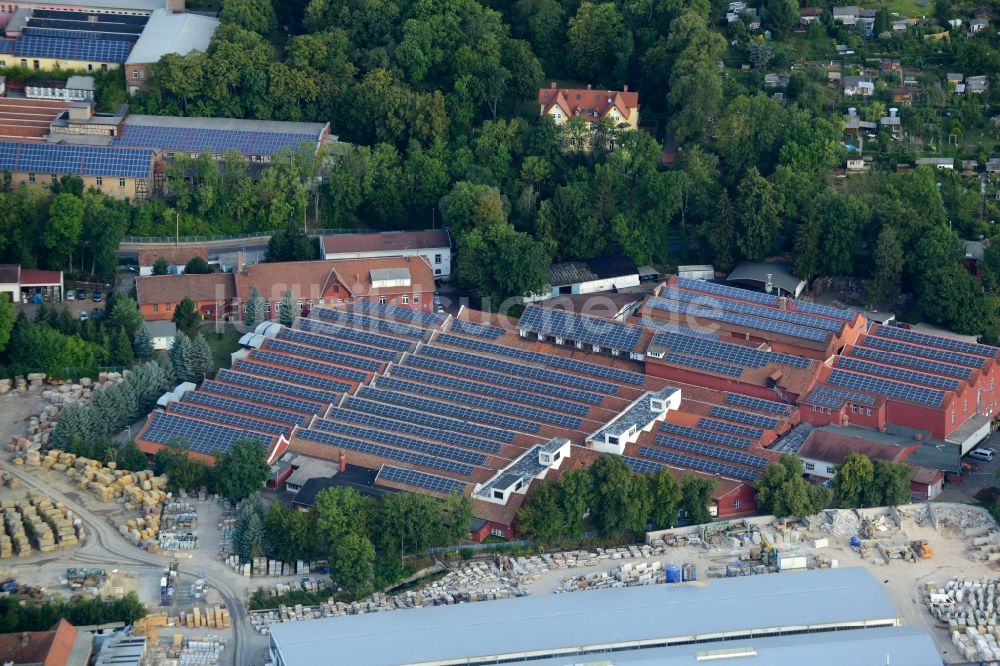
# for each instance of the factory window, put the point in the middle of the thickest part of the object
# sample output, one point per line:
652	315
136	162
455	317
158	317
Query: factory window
36	65
100	181
497	532
437	258
54	179
953	417
854	409
90	66
416	298
381	300
830	469
737	504
24	63
498	494
135	73
437	271
121	182
31	177
965	406
104	67
156	307
868	411
810	466
168	307
406	300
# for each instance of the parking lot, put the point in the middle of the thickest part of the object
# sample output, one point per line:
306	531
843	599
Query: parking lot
981	478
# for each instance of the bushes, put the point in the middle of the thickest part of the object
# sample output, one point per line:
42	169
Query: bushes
34	616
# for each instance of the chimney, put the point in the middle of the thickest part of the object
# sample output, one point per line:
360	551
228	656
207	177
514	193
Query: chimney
342	462
893	111
239	262
25	639
625	88
588	86
552	85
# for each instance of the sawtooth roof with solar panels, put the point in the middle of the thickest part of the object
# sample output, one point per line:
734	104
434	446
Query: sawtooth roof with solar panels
479	404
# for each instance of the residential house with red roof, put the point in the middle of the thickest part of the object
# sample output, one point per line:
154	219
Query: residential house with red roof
62	645
621	107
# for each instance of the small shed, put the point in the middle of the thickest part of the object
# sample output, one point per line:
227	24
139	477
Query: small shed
759	276
161	333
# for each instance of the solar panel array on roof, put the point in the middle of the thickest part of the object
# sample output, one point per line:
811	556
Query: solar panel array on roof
396	425
744	417
390	411
758	323
792	441
203	397
732	428
704	364
198	436
370	323
724	290
551	360
412	477
902	374
482	401
825	310
761	405
403	442
49	158
338	358
328	342
331	439
755	309
478	329
700	449
888	344
503	379
448	409
216	141
886	387
323	369
824	396
507	365
92	50
68	33
706	435
570	326
544	401
6	45
283	374
680	330
890	358
710	466
727	352
237	420
275	399
269	384
355	334
394	312
640	466
916	337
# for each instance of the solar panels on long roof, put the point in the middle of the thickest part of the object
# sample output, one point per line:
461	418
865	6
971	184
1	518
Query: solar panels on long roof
229	418
698	448
403	442
703	364
706	435
48	158
390	411
448	409
216	141
890	344
198	436
396	425
824	396
740	416
760	323
710	466
754	309
570	326
255	409
761	405
365	322
338	358
412	477
336	344
354	334
93	50
937	341
269	384
886	387
723	290
394	312
726	352
892	372
905	360
351	444
478	329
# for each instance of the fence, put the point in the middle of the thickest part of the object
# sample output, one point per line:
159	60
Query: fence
175	240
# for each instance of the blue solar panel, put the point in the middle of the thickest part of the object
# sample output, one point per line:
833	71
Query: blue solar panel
681	330
502	379
744	417
698	448
704	364
6	45
513	395
824	396
216	141
262	370
328	342
237	420
570	326
338	358
936	341
198	436
758	323
710	466
403	415
412	477
732	428
81	160
761	405
726	352
356	335
263	397
723	290
640	466
890	358
478	329
403	442
755	309
792	441
201	397
886	387
367	323
706	435
323	369
442	434
902	374
551	360
91	50
888	344
825	310
331	439
388	310
448	409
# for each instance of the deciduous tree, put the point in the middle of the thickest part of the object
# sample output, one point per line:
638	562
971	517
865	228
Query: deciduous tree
853	481
696	497
665	496
242	470
782	490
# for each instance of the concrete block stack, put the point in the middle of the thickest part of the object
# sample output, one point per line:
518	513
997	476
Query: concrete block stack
5	386
970	609
14	529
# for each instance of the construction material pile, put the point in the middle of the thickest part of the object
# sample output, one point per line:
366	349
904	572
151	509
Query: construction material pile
178	526
262	566
211	617
968	608
34	521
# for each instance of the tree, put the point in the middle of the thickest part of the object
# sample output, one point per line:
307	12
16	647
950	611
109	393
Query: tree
756	215
888	260
132	459
124	314
575	498
352	563
498	262
341	510
198	266
618	502
695	85
291	535
459	510
665	496
255	15
696	497
63	232
950	296
180	355
600	44
853	480
541	517
187	317
781	17
255	310
201	357
248	533
891	483
782	490
6	322
290	244
121	349
141	344
242	470
287	309
161	267
882	21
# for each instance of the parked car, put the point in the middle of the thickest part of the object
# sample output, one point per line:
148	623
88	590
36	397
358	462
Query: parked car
84	316
70	295
981	454
97	297
992	452
81	295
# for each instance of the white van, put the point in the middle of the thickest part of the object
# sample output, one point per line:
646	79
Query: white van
981	454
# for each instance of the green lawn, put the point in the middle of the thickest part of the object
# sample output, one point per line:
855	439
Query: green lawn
222	345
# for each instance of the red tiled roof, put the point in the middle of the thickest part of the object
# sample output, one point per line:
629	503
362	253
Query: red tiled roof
153	289
355	274
28	119
833	447
387	241
32	277
49	648
590	104
10	273
306	279
175	255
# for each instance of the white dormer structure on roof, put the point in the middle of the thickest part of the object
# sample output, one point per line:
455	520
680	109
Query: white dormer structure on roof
649	408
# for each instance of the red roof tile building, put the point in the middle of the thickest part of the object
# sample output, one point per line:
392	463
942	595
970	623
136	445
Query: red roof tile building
62	645
434	244
619	106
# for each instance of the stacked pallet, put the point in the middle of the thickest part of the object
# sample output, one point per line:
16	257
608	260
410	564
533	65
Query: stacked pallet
140	490
216	617
141	531
35	520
